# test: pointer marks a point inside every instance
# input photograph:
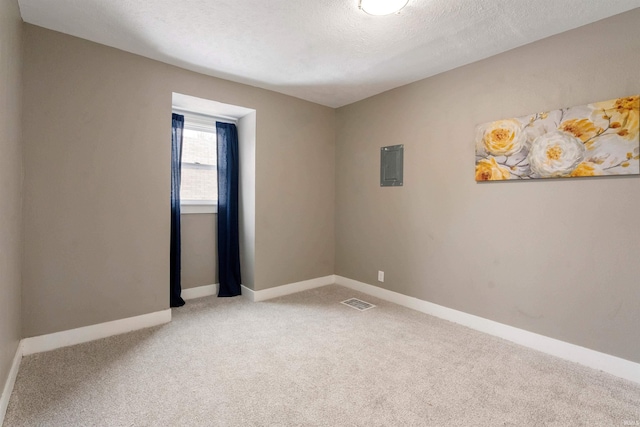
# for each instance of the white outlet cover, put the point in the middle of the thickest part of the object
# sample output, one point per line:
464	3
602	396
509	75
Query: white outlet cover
380	276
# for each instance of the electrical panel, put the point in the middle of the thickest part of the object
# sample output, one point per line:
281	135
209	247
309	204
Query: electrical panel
391	165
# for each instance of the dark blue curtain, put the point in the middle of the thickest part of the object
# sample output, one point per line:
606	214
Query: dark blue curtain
228	229
177	126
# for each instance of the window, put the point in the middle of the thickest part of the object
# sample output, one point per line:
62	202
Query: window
199	174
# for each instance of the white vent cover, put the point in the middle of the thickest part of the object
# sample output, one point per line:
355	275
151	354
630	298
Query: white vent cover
358	304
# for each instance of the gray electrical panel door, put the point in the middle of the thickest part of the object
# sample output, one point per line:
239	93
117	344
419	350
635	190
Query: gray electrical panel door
391	165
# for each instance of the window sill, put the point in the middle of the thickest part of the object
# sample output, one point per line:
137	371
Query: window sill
198	209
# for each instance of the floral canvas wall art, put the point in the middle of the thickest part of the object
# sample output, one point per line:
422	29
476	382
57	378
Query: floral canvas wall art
598	139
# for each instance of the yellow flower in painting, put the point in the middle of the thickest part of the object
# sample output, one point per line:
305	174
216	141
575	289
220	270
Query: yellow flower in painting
555	154
583	129
501	138
586	169
623	114
490	170
629	103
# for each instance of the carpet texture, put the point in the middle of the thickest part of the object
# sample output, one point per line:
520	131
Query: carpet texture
307	360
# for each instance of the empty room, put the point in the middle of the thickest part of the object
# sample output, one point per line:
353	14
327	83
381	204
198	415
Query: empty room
319	213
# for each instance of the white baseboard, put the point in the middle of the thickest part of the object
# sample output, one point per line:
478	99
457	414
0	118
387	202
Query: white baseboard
199	292
584	356
11	381
288	289
594	359
247	293
56	340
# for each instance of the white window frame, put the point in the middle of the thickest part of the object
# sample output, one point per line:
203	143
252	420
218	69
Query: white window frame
206	123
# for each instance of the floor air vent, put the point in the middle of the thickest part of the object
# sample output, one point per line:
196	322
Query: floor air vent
358	304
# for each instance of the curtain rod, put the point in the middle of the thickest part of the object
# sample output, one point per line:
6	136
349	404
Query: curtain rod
218	116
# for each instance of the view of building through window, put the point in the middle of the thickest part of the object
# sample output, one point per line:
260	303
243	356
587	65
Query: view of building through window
199	176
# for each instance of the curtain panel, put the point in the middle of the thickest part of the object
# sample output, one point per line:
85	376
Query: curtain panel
228	227
177	128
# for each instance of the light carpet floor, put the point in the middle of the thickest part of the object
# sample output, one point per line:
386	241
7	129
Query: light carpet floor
307	360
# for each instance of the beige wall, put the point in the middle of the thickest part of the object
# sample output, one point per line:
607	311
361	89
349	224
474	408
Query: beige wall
10	183
199	250
556	257
247	198
97	159
295	193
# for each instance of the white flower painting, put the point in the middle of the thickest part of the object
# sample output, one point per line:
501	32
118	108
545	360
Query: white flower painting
596	139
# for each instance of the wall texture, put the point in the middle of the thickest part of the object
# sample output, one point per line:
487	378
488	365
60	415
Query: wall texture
247	198
97	159
10	183
199	250
556	257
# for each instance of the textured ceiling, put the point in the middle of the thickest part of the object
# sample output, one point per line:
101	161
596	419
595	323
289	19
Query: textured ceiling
325	51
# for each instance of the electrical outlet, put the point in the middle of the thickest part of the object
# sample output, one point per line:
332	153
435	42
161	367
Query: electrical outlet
380	276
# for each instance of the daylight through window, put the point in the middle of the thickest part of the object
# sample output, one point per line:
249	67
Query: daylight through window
199	175
199	183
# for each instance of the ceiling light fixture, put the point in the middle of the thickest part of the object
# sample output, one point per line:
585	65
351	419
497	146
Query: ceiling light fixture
382	7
